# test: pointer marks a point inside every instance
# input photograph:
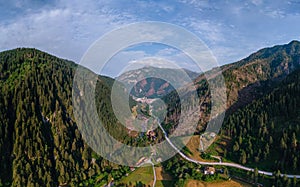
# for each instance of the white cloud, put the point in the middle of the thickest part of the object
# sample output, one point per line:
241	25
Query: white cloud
207	30
179	58
66	30
274	13
257	2
198	4
36	29
134	59
154	62
118	62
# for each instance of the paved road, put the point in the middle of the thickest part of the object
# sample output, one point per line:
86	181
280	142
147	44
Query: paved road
154	173
148	161
219	163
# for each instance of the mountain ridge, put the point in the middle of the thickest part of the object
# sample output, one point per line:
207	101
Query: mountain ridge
40	144
149	82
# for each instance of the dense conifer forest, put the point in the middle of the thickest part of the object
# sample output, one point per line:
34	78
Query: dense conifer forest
41	145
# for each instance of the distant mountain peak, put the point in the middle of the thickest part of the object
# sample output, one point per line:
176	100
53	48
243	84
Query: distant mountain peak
146	81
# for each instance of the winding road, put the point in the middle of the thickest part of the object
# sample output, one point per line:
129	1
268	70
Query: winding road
148	161
220	163
154	173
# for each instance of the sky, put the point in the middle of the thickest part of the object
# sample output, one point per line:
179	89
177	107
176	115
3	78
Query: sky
231	29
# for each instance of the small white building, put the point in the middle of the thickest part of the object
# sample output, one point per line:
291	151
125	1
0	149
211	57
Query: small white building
209	171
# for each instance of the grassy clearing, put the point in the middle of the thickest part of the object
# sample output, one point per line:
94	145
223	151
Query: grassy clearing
220	144
145	176
142	174
215	149
193	146
230	183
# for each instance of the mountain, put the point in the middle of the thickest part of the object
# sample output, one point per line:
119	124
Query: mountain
145	82
261	126
246	80
265	133
40	144
251	77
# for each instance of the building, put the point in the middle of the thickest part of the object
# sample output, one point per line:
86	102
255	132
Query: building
209	171
151	135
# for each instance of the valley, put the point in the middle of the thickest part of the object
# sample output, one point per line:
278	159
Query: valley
41	144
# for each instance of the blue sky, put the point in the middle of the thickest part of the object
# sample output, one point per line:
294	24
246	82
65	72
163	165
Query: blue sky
231	29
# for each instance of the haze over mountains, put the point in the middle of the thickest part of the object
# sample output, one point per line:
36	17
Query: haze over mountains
40	144
150	85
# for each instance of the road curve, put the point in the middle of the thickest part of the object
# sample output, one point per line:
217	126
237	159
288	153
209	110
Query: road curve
220	163
154	173
148	161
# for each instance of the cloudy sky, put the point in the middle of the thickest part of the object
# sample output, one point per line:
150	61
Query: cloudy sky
231	29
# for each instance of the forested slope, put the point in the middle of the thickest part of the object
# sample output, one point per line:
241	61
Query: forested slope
266	132
245	80
40	144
